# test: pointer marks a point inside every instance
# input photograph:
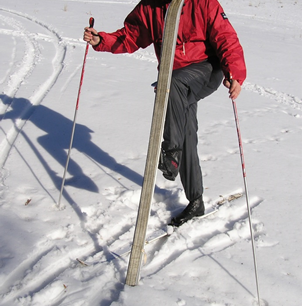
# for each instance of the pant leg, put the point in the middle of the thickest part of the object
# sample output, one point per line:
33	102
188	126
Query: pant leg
176	117
188	85
189	169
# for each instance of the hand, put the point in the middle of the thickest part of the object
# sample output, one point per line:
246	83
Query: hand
234	88
91	36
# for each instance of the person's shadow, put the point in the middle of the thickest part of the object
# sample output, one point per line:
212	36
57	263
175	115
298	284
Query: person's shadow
57	139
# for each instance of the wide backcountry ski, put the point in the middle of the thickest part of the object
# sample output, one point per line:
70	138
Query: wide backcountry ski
159	114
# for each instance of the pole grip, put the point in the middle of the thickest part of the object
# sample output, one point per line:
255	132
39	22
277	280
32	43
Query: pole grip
229	77
91	22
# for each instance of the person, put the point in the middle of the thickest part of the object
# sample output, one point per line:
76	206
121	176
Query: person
207	48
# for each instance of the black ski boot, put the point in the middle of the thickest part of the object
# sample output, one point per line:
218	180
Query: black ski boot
169	163
194	209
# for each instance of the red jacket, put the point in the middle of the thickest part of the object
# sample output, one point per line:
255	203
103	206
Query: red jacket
204	30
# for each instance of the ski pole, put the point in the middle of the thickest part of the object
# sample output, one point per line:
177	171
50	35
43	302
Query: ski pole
91	23
246	192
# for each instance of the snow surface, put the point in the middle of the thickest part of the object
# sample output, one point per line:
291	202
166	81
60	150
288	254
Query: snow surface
205	262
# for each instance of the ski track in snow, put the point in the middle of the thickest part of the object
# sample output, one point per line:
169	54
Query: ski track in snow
21	73
280	97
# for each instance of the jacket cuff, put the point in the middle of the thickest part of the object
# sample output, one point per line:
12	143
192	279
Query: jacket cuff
101	39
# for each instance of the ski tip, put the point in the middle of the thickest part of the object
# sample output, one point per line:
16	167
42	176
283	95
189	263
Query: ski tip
229	198
235	196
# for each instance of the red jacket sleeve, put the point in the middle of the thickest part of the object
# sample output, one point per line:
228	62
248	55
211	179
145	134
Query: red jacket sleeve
131	37
225	41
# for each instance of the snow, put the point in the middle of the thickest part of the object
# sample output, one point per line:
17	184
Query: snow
205	262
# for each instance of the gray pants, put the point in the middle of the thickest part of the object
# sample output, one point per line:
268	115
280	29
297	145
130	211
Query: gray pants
188	86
